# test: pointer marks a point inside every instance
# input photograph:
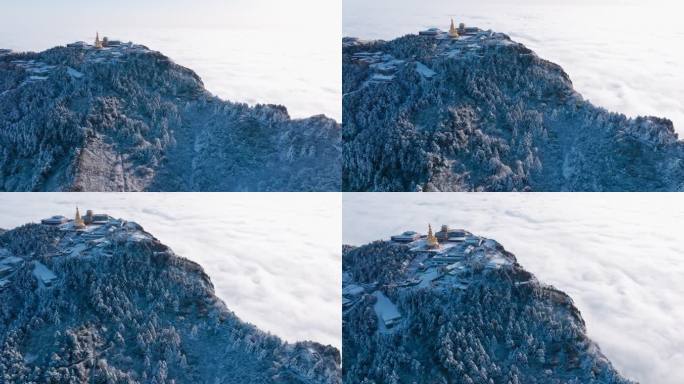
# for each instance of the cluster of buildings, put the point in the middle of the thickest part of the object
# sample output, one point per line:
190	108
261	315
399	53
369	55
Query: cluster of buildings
87	233
445	258
352	292
78	223
435	241
438	254
383	66
105	42
37	70
441	255
452	33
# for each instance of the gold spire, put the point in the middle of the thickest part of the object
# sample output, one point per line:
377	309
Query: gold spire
431	239
78	221
98	42
453	32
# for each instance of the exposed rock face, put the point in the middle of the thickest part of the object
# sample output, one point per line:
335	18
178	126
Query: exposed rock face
114	305
129	119
484	113
470	314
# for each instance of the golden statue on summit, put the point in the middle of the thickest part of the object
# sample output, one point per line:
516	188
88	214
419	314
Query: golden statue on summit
453	32
98	42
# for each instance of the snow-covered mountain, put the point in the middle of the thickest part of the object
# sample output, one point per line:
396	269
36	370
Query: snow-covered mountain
460	311
125	118
109	303
482	112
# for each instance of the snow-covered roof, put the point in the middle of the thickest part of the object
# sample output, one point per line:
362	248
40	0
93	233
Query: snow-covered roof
385	309
54	220
74	73
424	71
43	273
430	31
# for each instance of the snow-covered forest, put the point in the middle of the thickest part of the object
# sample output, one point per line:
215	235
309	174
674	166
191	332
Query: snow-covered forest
486	320
112	304
494	117
129	119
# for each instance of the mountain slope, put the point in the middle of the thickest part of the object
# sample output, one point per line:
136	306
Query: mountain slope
111	304
485	113
465	313
127	118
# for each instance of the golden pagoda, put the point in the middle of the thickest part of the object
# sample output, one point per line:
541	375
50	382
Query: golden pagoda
78	221
98	42
431	240
453	32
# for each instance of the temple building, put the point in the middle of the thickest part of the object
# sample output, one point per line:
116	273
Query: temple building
443	234
406	237
453	32
54	220
447	234
78	221
95	218
430	32
431	240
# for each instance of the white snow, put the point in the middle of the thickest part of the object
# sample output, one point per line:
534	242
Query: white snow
496	261
77	250
74	73
620	54
385	310
428	276
139	236
274	258
454	266
381	78
619	256
424	71
43	273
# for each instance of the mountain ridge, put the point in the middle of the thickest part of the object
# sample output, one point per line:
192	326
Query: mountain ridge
461	311
485	113
127	118
111	303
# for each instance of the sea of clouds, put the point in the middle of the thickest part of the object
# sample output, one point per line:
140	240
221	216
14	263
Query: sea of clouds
623	55
619	256
259	51
274	258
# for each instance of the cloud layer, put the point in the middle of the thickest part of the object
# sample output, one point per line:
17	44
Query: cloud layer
622	55
274	258
619	256
259	51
